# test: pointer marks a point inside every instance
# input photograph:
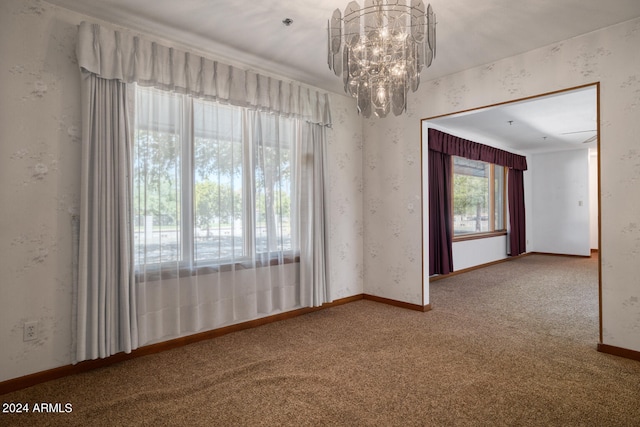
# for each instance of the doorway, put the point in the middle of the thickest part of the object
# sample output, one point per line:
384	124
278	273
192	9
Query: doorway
559	134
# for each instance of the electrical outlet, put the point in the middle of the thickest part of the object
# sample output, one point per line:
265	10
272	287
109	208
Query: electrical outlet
30	332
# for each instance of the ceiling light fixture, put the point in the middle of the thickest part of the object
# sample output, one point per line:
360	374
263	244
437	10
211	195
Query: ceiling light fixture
380	50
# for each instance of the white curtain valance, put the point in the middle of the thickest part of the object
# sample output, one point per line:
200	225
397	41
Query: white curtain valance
116	55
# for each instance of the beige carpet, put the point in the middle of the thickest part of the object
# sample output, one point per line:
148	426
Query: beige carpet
513	344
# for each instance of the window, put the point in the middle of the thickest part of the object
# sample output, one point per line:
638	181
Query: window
209	188
478	197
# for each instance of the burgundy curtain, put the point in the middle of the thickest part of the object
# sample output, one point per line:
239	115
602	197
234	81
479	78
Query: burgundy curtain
515	197
441	147
440	230
454	146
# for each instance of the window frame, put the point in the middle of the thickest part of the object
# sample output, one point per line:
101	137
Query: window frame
187	245
492	206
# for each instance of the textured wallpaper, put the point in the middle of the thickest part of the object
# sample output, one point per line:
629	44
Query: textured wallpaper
40	153
392	167
346	195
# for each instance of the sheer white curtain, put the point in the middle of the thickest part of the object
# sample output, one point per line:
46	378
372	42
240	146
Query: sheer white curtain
218	192
224	222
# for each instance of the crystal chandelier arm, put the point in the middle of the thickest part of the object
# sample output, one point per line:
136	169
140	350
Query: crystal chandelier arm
431	30
352	24
329	53
417	20
335	41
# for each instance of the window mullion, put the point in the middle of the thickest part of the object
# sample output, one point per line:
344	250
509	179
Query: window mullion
187	202
248	185
451	198
504	197
492	198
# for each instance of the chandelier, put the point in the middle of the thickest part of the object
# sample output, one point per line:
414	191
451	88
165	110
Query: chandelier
380	50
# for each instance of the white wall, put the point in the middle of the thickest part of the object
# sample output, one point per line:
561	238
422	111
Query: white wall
392	173
561	209
345	199
593	199
471	253
40	170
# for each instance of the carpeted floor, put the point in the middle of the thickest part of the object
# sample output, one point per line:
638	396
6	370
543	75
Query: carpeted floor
513	344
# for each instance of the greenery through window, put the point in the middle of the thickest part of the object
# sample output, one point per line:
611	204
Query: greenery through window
478	197
208	187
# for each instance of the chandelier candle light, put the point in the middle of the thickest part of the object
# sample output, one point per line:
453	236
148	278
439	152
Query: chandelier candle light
380	50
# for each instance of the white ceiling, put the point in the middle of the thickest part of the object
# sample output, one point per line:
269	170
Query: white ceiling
251	33
561	121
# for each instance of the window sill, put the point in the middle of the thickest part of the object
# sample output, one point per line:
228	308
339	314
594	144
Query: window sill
476	236
173	273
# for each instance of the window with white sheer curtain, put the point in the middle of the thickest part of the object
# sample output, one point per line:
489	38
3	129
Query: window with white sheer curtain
202	200
214	189
212	183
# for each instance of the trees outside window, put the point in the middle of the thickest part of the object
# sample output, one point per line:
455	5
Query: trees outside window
208	186
478	197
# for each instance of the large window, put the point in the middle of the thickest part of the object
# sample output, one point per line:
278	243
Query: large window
208	188
478	197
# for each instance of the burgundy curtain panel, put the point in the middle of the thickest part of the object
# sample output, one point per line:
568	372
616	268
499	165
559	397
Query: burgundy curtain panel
441	147
440	230
515	199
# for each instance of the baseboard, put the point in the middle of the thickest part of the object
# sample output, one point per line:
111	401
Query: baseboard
477	267
88	365
563	255
396	303
20	383
510	258
619	351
